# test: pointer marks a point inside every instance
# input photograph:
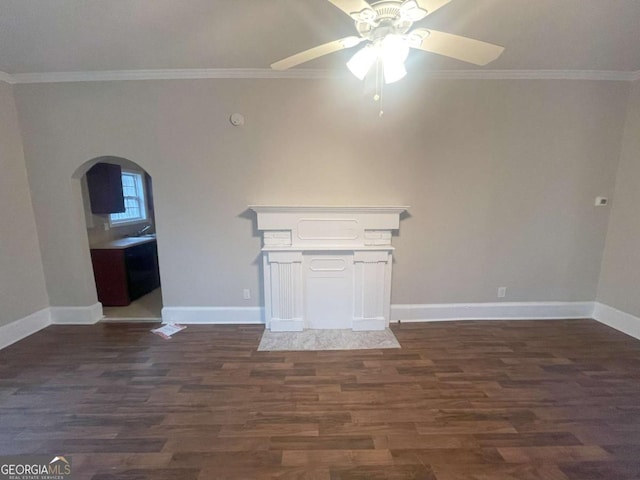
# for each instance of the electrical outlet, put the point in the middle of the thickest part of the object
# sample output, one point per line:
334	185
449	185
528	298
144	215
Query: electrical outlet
246	293
601	201
105	225
502	292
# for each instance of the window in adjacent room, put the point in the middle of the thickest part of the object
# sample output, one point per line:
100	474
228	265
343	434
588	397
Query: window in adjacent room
134	200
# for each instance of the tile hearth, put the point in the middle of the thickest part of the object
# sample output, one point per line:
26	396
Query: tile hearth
327	340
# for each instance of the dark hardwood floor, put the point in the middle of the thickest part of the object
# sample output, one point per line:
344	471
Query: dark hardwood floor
552	400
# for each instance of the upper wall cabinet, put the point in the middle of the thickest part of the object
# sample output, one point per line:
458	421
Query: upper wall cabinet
105	188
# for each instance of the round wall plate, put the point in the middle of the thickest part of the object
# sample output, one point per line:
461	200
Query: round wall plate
237	119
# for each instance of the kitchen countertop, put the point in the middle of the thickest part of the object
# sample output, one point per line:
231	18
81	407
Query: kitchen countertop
123	243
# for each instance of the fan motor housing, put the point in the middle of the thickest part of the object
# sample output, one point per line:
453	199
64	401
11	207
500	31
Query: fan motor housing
387	19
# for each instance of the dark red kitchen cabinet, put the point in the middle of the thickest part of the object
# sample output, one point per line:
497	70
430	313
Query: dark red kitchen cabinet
110	272
105	188
126	274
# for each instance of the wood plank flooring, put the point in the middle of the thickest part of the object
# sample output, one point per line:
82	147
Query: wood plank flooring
556	400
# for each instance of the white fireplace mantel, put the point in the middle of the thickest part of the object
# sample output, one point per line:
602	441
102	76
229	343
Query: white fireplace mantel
327	266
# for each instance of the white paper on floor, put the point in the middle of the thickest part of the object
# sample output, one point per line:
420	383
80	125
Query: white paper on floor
169	329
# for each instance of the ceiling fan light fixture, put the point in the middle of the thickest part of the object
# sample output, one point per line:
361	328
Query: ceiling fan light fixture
362	61
391	51
394	48
393	71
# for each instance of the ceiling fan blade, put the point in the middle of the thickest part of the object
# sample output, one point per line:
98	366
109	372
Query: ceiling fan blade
351	6
316	52
454	46
432	5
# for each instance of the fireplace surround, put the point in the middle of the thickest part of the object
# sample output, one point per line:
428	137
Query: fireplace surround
327	267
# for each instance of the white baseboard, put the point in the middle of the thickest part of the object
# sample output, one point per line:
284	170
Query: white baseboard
491	311
213	315
406	313
614	318
131	320
76	315
605	314
19	329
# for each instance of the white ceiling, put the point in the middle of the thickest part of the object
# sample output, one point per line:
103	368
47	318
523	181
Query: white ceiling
90	35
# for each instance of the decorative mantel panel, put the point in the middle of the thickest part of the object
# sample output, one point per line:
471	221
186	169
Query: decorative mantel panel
327	267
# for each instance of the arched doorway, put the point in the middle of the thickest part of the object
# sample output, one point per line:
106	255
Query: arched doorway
120	218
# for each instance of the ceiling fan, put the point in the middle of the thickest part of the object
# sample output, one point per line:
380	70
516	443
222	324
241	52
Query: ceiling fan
385	27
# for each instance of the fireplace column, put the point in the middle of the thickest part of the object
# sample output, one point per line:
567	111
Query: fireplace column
372	289
283	291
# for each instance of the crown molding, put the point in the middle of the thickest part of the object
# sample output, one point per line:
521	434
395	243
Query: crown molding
171	74
598	75
6	78
307	74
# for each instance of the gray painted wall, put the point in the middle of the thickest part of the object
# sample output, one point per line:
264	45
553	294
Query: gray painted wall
501	177
620	279
22	287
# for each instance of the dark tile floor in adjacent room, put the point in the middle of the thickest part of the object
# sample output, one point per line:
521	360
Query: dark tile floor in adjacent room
502	400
